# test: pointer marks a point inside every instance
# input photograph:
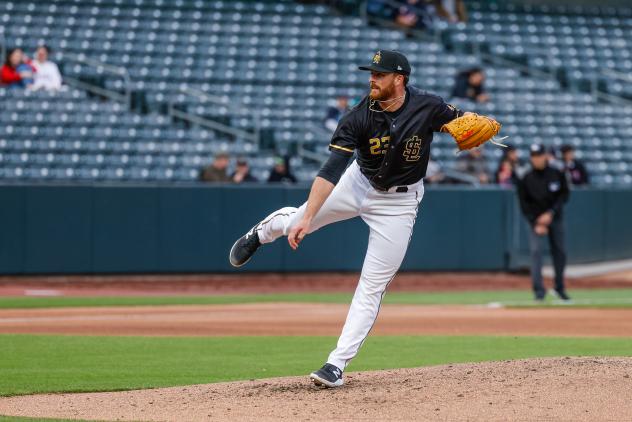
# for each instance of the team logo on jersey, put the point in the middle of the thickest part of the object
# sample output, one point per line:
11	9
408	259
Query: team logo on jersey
378	57
412	149
554	186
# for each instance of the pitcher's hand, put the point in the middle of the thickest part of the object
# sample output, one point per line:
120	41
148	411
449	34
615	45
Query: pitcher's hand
298	232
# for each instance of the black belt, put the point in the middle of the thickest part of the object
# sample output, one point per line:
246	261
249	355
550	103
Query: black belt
400	189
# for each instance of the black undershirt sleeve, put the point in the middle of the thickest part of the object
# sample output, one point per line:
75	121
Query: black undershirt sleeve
334	167
444	113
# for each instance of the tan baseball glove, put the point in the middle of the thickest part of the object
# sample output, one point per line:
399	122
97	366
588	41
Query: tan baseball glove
472	130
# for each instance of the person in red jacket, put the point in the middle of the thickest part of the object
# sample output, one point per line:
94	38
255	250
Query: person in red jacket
16	71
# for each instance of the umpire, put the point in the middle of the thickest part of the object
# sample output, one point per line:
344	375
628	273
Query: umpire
543	191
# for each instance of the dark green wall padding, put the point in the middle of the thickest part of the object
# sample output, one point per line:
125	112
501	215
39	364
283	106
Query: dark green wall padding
188	229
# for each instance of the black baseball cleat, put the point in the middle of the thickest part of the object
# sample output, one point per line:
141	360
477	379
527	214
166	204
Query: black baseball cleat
561	295
328	376
244	248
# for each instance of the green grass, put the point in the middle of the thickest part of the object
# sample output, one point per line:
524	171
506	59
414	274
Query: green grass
66	301
45	363
582	298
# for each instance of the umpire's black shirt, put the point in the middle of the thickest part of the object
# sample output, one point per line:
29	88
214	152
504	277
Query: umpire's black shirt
393	148
543	190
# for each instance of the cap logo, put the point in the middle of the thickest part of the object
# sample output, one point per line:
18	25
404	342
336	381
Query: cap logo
377	58
399	67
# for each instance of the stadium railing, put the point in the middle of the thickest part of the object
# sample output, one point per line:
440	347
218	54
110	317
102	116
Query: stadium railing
100	67
179	113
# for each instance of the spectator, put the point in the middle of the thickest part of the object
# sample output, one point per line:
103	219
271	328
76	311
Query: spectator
434	173
47	74
335	113
508	167
505	173
474	164
216	172
381	10
552	161
281	172
511	154
574	169
469	83
450	10
413	14
242	173
16	71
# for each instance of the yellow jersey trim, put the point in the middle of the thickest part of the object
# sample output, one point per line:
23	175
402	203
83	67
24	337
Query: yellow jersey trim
340	148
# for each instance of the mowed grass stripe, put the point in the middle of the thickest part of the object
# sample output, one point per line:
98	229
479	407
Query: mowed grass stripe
46	363
621	298
68	301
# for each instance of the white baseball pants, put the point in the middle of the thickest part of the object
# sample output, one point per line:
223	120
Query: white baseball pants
390	217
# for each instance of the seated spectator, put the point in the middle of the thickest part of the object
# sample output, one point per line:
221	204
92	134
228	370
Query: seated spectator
434	173
413	14
450	10
574	169
509	164
474	164
242	172
16	71
382	10
47	74
511	154
281	172
552	160
468	84
505	173
216	172
335	113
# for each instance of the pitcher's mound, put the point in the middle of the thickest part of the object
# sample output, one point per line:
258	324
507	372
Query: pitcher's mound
560	389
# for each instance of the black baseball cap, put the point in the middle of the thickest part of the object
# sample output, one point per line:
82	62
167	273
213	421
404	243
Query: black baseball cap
537	149
388	61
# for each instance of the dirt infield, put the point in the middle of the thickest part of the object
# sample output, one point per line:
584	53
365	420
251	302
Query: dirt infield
560	389
570	389
315	319
145	285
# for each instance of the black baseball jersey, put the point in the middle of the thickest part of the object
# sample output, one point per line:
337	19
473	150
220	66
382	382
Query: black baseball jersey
393	149
540	191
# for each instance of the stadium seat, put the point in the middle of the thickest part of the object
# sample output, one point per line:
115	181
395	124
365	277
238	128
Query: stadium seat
285	61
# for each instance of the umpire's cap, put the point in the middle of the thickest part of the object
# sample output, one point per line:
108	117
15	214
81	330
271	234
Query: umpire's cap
388	61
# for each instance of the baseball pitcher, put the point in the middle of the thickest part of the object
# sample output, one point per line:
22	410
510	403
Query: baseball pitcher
390	131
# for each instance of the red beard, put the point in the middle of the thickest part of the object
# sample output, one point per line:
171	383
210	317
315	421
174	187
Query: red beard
383	94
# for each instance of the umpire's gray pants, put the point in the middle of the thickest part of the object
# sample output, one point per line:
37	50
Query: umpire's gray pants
558	253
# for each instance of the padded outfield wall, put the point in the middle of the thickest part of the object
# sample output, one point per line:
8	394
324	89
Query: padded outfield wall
189	229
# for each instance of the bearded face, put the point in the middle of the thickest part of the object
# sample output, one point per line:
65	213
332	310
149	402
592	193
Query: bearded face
382	86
